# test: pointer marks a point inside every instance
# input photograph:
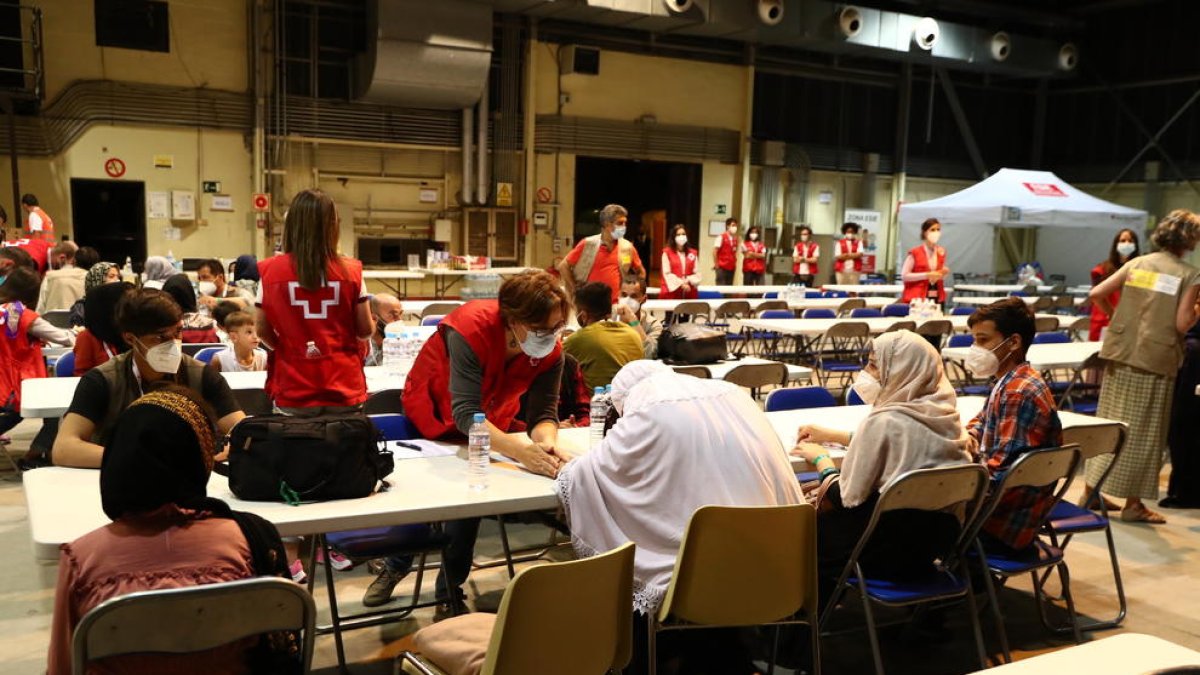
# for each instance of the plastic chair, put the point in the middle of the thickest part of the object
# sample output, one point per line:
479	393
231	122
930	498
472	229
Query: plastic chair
695	371
1079	328
1082	393
1043	468
852	397
594	595
206	355
896	309
902	325
771	295
959	490
1067	519
799	398
841	351
65	365
770	305
743	566
193	619
692	309
1050	338
702	294
432	320
1045	324
850	305
962	311
755	376
439	309
377	542
194	348
776	314
808	295
961	340
818	313
865	313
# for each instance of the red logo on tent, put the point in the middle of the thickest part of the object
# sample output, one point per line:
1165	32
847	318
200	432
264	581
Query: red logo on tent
1045	189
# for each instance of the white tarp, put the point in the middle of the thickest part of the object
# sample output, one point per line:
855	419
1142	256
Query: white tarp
1020	198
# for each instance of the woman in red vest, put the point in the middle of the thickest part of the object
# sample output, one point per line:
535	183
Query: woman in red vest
804	258
754	257
925	267
20	350
312	312
1124	248
680	278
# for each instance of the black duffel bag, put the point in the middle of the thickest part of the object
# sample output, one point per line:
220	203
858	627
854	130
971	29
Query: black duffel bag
691	344
304	459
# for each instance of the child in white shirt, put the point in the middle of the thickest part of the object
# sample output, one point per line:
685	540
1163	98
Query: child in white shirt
243	353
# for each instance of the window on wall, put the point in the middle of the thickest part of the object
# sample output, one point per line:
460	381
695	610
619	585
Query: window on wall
320	42
133	24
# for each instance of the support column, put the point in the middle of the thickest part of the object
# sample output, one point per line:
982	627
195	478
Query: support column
529	129
11	114
899	164
741	185
960	118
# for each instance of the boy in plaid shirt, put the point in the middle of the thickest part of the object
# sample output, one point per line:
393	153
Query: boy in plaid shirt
1020	415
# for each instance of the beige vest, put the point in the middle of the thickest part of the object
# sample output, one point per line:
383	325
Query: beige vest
1142	333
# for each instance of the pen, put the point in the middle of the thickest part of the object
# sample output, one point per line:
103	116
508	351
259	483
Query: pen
410	446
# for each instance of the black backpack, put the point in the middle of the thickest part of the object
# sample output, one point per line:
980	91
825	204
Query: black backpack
691	344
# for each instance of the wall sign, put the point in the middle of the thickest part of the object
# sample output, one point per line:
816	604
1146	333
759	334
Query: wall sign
504	194
164	161
158	205
212	186
222	203
428	195
114	167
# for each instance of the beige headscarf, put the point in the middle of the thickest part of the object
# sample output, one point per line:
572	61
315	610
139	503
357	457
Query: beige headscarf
913	424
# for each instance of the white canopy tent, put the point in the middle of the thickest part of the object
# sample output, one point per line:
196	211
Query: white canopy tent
1076	229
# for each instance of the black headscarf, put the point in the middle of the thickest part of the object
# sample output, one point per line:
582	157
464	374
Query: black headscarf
160	452
180	288
100	313
245	267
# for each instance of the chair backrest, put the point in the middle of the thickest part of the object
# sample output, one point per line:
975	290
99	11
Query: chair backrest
695	371
849	329
65	365
395	427
432	320
936	327
1079	328
776	314
193	348
692	308
1050	338
818	294
386	401
961	340
834	294
896	309
253	401
962	311
743	566
849	305
1063	302
1044	302
756	375
206	355
1035	468
596	593
1045	324
771	294
439	309
852	397
197	618
709	294
906	324
1097	440
772	304
819	313
798	398
59	318
865	313
731	309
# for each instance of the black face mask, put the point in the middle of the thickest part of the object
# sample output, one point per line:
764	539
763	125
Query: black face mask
380	326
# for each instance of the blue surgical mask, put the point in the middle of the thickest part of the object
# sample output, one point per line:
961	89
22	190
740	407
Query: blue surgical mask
618	232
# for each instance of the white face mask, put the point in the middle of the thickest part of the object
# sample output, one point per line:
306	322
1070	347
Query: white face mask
165	357
851	235
867	387
1126	248
619	232
983	362
207	288
539	346
681	240
733	231
631	303
753	236
933	236
804	237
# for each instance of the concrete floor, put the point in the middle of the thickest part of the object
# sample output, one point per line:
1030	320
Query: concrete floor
1159	564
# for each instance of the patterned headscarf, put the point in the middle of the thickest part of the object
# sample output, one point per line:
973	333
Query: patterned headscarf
160	452
96	275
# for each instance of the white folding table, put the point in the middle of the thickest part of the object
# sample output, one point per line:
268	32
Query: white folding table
989	299
1125	654
866	289
394	279
444	279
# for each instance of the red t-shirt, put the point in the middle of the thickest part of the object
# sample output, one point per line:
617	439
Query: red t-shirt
607	267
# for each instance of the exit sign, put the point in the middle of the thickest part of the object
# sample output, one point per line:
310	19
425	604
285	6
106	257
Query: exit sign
212	186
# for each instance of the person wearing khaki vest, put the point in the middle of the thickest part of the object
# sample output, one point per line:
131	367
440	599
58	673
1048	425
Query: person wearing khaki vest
1144	349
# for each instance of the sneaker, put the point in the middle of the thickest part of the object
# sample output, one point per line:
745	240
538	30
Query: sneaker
297	570
446	610
380	590
337	561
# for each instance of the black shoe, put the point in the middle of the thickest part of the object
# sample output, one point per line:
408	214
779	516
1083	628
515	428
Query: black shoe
28	464
1178	503
446	610
380	591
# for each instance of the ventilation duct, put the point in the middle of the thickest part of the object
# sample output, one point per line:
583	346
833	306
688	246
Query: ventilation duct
426	54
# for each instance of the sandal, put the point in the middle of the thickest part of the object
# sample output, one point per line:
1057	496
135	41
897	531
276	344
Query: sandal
1141	514
1089	501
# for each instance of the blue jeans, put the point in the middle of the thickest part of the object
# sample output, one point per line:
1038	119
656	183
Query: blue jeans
458	557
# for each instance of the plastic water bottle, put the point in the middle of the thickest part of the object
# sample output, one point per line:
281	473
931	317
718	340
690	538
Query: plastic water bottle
392	344
479	446
177	264
599	412
127	270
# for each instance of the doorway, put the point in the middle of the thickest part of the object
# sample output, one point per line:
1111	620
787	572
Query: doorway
110	216
657	195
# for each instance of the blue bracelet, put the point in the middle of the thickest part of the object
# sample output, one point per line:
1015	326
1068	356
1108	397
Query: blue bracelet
829	472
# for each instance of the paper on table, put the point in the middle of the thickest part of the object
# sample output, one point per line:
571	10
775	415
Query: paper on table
427	449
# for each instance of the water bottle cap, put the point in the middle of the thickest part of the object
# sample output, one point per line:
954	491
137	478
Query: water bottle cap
479	418
599	390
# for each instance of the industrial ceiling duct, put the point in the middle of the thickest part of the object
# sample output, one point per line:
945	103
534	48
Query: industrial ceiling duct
926	33
1068	56
1001	46
426	54
849	21
679	6
770	12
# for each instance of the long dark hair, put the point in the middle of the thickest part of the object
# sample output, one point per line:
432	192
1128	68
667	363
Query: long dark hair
752	229
1114	258
675	229
310	234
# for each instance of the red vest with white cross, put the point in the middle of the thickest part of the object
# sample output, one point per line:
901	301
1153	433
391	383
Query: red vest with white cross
330	371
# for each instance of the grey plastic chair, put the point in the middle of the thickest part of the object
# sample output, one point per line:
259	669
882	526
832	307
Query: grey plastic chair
197	618
440	309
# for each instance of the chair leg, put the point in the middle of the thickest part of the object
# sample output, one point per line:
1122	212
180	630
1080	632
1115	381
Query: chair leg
335	619
508	558
774	651
814	632
871	632
995	603
976	627
651	645
1066	580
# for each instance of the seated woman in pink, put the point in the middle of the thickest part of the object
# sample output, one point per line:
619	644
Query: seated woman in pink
166	533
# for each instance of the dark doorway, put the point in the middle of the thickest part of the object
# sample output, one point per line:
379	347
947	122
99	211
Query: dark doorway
657	195
110	216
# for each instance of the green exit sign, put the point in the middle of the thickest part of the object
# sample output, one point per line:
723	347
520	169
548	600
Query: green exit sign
212	186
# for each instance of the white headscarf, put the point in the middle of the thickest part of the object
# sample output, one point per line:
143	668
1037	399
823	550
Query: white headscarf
681	443
913	424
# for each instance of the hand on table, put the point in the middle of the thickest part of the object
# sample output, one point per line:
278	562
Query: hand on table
813	433
809	451
541	458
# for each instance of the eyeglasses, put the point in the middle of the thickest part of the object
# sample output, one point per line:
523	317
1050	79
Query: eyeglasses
544	333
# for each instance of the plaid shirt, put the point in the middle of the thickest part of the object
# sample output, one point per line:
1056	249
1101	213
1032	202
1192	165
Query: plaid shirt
1019	416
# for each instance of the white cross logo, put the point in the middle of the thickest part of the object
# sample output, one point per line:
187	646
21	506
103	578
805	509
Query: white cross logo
307	303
